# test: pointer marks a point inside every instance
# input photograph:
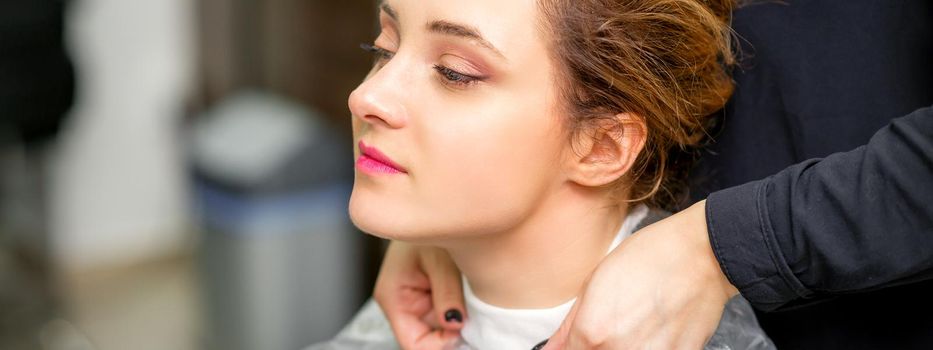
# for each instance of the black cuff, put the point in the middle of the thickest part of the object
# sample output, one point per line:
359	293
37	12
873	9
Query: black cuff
743	241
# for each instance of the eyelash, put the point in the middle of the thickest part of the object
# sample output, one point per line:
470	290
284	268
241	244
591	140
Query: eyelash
454	77
449	76
380	53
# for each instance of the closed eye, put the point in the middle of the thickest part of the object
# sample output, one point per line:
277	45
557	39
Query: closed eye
382	55
454	77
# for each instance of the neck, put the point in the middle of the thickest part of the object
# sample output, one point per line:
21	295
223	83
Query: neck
544	260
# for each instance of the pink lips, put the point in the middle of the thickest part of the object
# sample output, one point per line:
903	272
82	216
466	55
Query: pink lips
374	162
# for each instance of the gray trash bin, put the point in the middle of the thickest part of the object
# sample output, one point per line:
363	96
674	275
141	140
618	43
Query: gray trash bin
279	258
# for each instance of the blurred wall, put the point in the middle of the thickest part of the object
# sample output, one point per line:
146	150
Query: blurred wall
119	192
307	50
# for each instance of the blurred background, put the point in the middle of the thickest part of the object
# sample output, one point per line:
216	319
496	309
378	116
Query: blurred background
174	174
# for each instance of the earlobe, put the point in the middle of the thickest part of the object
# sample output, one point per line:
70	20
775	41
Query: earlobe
610	149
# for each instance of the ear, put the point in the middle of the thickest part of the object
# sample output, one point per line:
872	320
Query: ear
609	147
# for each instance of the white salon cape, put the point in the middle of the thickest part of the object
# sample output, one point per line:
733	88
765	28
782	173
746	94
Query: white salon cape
496	328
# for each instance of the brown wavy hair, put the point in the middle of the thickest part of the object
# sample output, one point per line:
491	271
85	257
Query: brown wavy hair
664	61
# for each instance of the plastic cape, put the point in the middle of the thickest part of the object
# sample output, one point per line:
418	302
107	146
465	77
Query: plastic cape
370	330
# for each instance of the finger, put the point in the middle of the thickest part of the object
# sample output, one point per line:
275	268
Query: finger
411	332
400	270
419	338
403	291
405	315
430	318
559	339
446	288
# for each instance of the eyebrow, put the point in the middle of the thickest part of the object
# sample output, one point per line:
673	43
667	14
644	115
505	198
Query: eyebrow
389	11
462	31
449	28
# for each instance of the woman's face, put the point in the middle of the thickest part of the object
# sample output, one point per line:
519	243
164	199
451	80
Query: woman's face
456	129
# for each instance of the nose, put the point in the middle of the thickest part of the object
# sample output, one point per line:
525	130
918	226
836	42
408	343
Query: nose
379	100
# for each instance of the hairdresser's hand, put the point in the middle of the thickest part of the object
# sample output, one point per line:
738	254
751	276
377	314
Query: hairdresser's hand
420	292
662	288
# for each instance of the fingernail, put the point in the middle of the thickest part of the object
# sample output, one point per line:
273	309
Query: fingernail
453	315
540	345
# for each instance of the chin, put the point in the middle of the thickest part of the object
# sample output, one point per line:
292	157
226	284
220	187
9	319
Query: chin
394	225
412	222
368	226
374	221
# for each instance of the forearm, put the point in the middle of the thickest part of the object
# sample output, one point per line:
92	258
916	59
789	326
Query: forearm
850	222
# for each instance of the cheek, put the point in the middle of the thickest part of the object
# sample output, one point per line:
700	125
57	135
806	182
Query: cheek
491	169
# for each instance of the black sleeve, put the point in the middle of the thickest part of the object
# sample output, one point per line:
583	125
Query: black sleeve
847	223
